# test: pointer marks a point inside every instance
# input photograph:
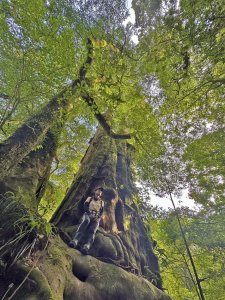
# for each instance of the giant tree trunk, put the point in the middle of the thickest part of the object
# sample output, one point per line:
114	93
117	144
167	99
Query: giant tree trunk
121	264
122	239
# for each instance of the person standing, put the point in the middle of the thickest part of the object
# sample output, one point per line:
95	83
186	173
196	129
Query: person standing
89	222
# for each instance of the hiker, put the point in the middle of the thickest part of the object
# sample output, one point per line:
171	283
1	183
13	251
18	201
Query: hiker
89	222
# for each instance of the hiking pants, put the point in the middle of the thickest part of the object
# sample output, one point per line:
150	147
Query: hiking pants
87	229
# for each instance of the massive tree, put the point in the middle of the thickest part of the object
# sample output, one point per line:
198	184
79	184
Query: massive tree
39	264
68	68
71	62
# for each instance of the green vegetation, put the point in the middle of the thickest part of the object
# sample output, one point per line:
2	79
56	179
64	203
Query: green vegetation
66	66
204	231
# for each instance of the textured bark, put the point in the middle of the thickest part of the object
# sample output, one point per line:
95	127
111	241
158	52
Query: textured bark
29	135
121	264
28	179
33	131
20	194
122	239
62	273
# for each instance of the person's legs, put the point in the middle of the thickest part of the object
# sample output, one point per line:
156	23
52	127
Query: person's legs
90	234
84	222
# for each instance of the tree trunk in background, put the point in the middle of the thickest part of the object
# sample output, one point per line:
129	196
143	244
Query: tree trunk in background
31	134
121	264
20	194
28	179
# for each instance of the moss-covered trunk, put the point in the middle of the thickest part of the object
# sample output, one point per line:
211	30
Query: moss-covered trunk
32	133
122	239
121	264
28	178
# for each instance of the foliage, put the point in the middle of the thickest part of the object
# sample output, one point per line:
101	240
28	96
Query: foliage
182	56
20	232
205	165
167	92
45	44
205	234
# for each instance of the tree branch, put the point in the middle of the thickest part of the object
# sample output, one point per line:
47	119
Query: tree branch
101	119
4	96
90	101
33	131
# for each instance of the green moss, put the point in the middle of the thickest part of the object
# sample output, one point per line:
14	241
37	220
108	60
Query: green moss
127	222
137	201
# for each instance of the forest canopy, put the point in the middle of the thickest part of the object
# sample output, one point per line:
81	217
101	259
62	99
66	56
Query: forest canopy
77	60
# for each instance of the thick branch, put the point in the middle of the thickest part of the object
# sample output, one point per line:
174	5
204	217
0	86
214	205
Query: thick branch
8	114
31	133
101	119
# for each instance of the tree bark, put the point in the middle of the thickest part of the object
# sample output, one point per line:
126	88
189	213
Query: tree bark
28	179
122	239
30	134
27	137
21	226
121	264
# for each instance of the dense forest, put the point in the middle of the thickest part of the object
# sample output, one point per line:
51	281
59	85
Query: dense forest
128	96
